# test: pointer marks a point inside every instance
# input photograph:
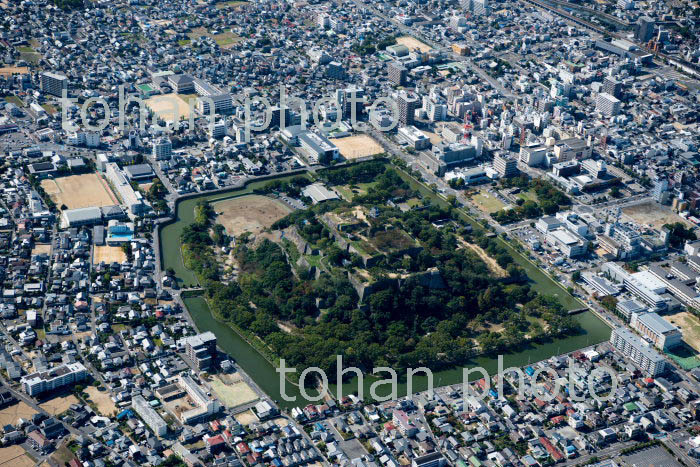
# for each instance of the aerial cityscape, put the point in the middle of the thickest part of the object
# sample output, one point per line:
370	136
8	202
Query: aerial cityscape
366	233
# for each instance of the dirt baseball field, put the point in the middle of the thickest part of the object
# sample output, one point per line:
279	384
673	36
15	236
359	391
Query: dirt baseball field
354	147
79	191
652	214
249	214
412	43
246	418
41	249
108	254
232	390
13	70
58	405
164	105
15	456
104	403
9	415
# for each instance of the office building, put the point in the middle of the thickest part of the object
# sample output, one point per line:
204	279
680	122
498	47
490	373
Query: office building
569	243
149	416
626	308
660	332
600	285
318	148
349	99
335	70
397	73
407	103
612	86
55	378
643	290
572	148
414	137
639	352
478	7
162	149
645	29
201	349
533	156
53	83
505	166
607	104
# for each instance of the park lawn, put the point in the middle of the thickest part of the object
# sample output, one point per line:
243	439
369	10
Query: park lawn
14	100
231	4
528	195
540	281
25	49
488	202
226	38
184	42
50	109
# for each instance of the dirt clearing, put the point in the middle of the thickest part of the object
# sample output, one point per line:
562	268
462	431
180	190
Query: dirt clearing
690	327
164	106
15	456
58	405
104	403
493	266
249	214
653	214
41	249
232	390
79	191
9	415
246	418
108	254
355	147
413	43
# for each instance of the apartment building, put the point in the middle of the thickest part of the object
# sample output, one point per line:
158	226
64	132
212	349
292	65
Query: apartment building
632	347
607	104
53	83
162	149
150	417
57	377
201	349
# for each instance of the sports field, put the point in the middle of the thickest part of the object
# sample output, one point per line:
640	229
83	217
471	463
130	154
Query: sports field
355	147
232	390
164	105
108	254
79	191
487	202
252	213
412	43
652	214
13	70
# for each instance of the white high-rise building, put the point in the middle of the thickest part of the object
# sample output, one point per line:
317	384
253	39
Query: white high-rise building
162	149
607	104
